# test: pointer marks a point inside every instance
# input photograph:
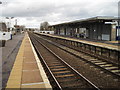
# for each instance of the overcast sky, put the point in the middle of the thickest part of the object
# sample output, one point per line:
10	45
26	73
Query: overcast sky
32	12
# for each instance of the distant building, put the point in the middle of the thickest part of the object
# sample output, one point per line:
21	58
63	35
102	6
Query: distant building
30	29
19	28
3	27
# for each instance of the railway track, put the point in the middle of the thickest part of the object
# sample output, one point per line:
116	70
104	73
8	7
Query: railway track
106	66
63	74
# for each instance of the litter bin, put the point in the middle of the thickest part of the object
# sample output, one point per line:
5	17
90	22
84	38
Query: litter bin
2	43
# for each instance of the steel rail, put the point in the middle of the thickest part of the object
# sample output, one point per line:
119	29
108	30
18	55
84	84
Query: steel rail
90	83
82	58
41	57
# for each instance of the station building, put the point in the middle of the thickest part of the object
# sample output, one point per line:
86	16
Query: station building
19	28
97	28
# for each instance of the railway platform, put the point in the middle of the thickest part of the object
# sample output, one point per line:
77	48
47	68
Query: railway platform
27	71
107	44
107	51
8	55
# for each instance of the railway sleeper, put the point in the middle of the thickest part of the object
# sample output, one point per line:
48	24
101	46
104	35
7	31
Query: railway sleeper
106	65
62	73
115	71
65	76
100	63
68	80
111	68
59	69
56	66
72	84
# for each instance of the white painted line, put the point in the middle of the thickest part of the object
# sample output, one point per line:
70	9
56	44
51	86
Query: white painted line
42	72
30	70
34	83
30	62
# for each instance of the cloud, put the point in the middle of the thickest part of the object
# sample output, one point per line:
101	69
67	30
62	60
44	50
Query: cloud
55	11
21	9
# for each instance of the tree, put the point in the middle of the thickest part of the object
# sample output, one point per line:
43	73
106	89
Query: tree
44	26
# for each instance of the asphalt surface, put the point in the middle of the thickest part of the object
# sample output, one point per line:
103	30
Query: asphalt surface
9	53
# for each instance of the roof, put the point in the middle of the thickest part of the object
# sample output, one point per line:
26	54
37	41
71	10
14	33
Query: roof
90	19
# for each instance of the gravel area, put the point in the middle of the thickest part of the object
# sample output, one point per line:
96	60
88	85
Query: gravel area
95	75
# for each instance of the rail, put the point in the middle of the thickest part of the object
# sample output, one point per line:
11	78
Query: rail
36	42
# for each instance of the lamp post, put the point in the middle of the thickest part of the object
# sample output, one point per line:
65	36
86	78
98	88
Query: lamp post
9	26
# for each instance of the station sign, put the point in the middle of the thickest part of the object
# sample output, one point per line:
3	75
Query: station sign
110	22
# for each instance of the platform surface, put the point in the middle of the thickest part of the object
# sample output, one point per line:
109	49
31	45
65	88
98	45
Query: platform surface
8	55
100	44
27	71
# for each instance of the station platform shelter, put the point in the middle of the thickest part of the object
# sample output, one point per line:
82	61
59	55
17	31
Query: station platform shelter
95	28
